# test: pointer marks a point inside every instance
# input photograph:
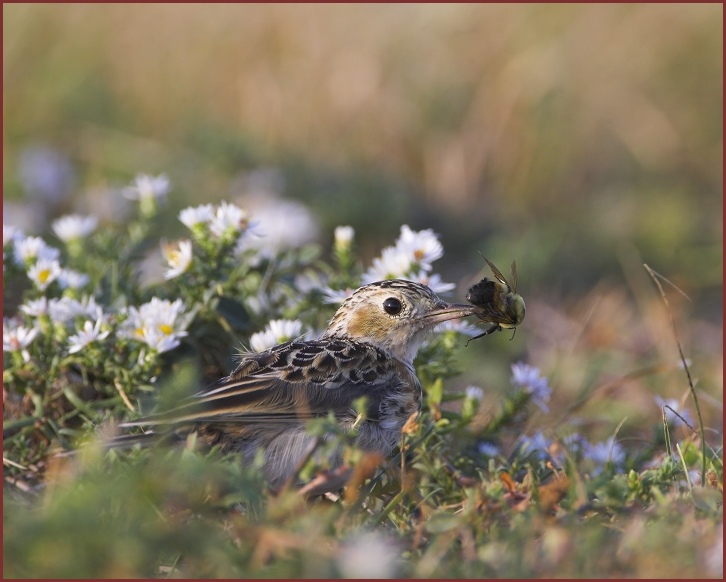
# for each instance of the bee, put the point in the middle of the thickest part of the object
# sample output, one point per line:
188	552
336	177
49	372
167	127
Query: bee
497	302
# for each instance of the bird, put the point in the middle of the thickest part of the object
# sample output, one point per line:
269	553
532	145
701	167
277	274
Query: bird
367	350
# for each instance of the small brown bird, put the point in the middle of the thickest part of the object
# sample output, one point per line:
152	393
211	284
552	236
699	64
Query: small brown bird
367	350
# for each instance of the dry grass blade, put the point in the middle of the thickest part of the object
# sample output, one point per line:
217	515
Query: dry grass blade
656	278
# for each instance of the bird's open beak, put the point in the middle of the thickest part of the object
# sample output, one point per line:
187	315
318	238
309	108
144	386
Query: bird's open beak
447	311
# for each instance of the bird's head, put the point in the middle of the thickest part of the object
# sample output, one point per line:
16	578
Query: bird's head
394	315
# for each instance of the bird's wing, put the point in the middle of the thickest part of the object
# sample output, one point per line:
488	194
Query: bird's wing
290	382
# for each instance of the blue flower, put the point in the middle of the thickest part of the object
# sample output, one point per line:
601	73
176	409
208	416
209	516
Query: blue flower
528	378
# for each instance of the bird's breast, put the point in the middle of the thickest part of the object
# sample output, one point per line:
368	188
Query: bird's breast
401	400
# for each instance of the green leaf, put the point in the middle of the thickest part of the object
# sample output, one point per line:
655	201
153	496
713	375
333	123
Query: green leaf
12	426
234	312
436	391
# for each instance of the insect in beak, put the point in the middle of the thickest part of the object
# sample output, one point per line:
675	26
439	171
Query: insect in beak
496	301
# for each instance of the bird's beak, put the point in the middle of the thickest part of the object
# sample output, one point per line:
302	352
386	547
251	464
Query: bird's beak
446	311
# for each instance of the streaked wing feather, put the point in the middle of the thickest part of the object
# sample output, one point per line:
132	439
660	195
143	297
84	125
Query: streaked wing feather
291	382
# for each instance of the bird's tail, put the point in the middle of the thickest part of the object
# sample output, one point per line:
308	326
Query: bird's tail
127	441
108	438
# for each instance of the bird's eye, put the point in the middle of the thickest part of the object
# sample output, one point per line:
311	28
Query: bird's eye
392	306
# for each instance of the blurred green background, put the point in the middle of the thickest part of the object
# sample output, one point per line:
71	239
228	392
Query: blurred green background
580	140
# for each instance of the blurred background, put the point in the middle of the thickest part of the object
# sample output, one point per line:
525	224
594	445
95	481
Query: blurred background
580	140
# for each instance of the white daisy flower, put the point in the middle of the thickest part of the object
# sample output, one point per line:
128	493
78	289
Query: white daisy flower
44	272
90	308
252	241
195	215
145	187
159	313
18	338
90	333
459	326
164	310
69	278
336	296
33	248
276	332
306	282
229	219
158	323
11	233
65	309
36	307
433	281
160	341
423	247
284	223
392	264
343	236
179	259
74	226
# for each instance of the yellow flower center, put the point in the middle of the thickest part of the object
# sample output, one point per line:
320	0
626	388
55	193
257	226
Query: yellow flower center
166	329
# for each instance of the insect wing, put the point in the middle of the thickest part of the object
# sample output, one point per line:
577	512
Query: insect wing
493	313
497	272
